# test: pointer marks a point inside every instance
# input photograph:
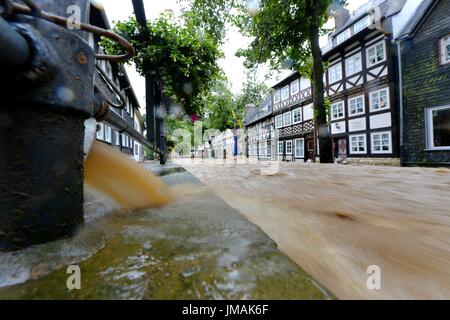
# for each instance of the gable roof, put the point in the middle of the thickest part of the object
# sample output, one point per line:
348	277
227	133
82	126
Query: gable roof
418	18
387	8
254	114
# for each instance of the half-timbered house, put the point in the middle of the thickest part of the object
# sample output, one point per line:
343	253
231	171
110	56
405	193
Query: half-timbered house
108	73
361	81
259	131
293	118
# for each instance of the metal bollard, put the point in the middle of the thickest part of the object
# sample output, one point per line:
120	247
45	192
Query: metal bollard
42	113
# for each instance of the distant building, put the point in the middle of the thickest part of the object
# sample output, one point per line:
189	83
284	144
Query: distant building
425	59
259	131
131	112
293	118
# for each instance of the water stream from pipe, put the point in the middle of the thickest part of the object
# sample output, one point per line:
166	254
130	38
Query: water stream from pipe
122	180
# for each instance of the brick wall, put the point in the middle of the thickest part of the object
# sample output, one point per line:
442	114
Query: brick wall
426	84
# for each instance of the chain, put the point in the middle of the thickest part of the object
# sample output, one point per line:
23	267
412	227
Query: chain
32	9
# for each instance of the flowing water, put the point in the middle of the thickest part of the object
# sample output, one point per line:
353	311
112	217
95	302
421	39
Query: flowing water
335	221
194	247
125	182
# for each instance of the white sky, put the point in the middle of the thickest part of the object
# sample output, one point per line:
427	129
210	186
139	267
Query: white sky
117	10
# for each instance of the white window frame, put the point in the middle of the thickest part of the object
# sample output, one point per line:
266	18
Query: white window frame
445	50
372	139
371	99
351	145
279	124
333	75
108	134
355	70
429	127
285	93
343	110
302	155
117	138
101	132
288	143
350	105
280	143
295	82
344	35
361	24
299	110
277	96
369	64
285	115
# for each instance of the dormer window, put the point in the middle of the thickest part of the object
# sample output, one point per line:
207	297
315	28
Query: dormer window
285	92
361	24
445	50
341	37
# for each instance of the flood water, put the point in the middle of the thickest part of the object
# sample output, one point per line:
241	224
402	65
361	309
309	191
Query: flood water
335	221
196	247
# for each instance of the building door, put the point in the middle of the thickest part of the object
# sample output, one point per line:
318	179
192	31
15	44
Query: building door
309	150
342	148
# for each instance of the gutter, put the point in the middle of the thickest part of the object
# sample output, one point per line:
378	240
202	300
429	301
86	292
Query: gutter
400	88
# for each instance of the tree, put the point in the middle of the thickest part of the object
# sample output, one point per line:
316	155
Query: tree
185	59
286	34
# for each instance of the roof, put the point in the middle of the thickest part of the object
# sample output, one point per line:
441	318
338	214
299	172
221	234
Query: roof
387	8
286	79
421	13
254	114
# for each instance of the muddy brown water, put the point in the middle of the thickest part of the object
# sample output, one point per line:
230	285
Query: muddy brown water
196	247
335	221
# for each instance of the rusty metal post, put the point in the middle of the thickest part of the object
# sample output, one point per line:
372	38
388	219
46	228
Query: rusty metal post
42	114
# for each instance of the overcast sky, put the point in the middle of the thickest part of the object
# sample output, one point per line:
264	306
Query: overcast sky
117	10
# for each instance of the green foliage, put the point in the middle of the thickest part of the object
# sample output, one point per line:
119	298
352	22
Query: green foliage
176	53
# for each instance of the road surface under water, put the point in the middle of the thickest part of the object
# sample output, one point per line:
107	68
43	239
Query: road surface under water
335	221
197	247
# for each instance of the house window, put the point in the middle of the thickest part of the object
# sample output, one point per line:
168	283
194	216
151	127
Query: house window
341	37
356	106
277	96
285	93
287	119
280	147
278	122
295	87
358	144
362	24
438	123
117	138
376	54
101	132
297	115
299	148
335	73
337	111
379	100
353	64
108	134
269	149
445	50
289	147
382	142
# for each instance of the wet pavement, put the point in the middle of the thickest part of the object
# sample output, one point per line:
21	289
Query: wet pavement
196	248
336	221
